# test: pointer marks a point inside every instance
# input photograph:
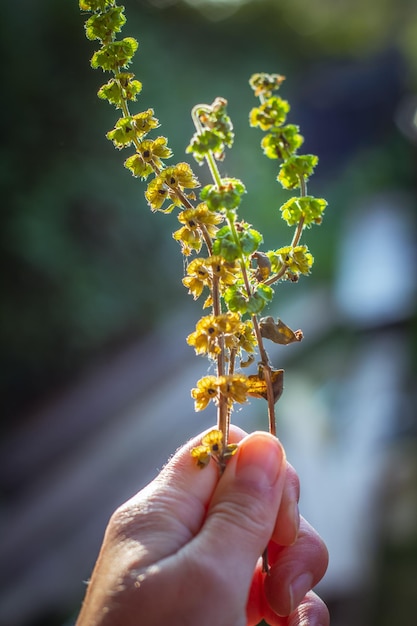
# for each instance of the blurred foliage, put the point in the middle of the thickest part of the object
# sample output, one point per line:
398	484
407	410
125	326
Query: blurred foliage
80	250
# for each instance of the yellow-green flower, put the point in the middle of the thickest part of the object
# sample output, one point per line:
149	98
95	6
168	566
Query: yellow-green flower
194	219
206	336
224	270
180	176
123	132
145	122
213	440
198	277
201	215
205	391
246	337
271	113
202	455
234	388
153	150
138	167
212	446
209	329
297	259
201	271
168	183
156	193
189	238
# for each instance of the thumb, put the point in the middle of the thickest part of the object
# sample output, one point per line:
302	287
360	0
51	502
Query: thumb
244	507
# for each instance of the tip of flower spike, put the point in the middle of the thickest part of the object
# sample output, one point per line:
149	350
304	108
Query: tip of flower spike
264	84
95	5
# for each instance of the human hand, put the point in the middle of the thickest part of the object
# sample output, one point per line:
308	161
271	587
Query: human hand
185	549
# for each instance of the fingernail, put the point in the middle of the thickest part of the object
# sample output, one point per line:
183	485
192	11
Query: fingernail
299	587
260	460
293	515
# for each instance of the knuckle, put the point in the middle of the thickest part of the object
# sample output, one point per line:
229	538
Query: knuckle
249	513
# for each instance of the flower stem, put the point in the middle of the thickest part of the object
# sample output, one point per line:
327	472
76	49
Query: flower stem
266	366
223	413
210	160
266	371
296	238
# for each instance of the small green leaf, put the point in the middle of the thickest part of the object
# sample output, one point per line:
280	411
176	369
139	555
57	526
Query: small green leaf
265	292
236	300
225	245
276	261
255	304
227	197
249	240
130	88
232	247
259	299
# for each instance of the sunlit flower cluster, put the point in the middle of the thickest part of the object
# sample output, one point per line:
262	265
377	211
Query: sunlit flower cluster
271	113
200	274
234	273
295	259
233	387
216	332
195	220
168	183
120	88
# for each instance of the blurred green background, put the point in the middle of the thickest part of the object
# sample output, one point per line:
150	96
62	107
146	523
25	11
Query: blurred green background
87	270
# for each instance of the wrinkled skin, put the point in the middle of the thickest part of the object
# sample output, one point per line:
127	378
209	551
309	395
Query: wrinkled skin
186	549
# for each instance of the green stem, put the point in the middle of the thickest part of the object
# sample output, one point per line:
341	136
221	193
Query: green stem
214	170
298	232
231	223
210	160
296	238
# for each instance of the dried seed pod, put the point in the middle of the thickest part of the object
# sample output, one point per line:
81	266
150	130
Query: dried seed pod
278	332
